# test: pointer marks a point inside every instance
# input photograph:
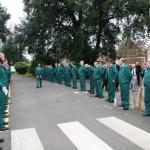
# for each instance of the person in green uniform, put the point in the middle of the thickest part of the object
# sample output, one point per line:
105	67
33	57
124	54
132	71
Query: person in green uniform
3	91
74	73
38	73
125	77
98	77
51	73
8	72
68	75
90	71
55	73
147	89
64	74
82	74
112	73
48	73
59	74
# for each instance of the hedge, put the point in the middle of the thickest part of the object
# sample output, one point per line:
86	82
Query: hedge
21	67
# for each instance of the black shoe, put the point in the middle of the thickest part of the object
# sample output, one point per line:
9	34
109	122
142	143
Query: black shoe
119	106
4	129
6	116
125	108
101	96
1	140
1	148
96	96
5	123
107	100
146	115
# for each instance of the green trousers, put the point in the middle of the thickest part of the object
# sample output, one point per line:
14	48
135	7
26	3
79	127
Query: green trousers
74	82
91	85
2	107
98	86
38	82
111	91
147	100
68	81
125	91
82	84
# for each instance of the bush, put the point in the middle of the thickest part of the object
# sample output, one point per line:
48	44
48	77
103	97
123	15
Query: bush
21	67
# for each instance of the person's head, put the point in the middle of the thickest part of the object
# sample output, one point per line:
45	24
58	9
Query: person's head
133	65
95	64
2	58
87	66
109	63
39	65
81	62
137	63
122	61
148	62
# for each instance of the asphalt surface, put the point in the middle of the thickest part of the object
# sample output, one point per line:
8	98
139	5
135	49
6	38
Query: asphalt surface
53	104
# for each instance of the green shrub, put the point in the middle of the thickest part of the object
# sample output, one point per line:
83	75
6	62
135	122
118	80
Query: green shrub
21	67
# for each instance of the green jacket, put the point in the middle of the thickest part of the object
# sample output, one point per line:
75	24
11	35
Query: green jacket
112	73
3	77
38	71
74	71
68	72
91	72
147	77
125	75
98	73
82	71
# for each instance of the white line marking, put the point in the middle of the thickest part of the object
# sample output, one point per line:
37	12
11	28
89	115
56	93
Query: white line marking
76	92
132	133
82	138
25	139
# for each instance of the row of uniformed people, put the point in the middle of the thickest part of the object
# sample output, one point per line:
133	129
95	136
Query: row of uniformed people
96	75
5	75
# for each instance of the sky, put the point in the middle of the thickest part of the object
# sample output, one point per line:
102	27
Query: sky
15	9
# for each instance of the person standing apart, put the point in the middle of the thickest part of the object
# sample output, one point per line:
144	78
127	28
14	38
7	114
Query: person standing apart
82	74
38	73
125	77
147	89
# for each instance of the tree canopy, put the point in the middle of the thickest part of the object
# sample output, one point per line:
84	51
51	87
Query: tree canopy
80	29
4	17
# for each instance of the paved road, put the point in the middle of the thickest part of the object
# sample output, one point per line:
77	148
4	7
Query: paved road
60	118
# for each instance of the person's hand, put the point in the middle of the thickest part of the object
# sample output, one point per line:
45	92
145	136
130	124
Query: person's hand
4	89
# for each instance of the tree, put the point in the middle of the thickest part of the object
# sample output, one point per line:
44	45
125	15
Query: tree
80	29
11	51
4	17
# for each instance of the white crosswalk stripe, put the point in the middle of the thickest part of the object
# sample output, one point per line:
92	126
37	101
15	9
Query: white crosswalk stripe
130	132
25	139
82	138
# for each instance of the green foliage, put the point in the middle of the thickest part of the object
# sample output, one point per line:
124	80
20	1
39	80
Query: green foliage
11	51
21	67
80	29
4	17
